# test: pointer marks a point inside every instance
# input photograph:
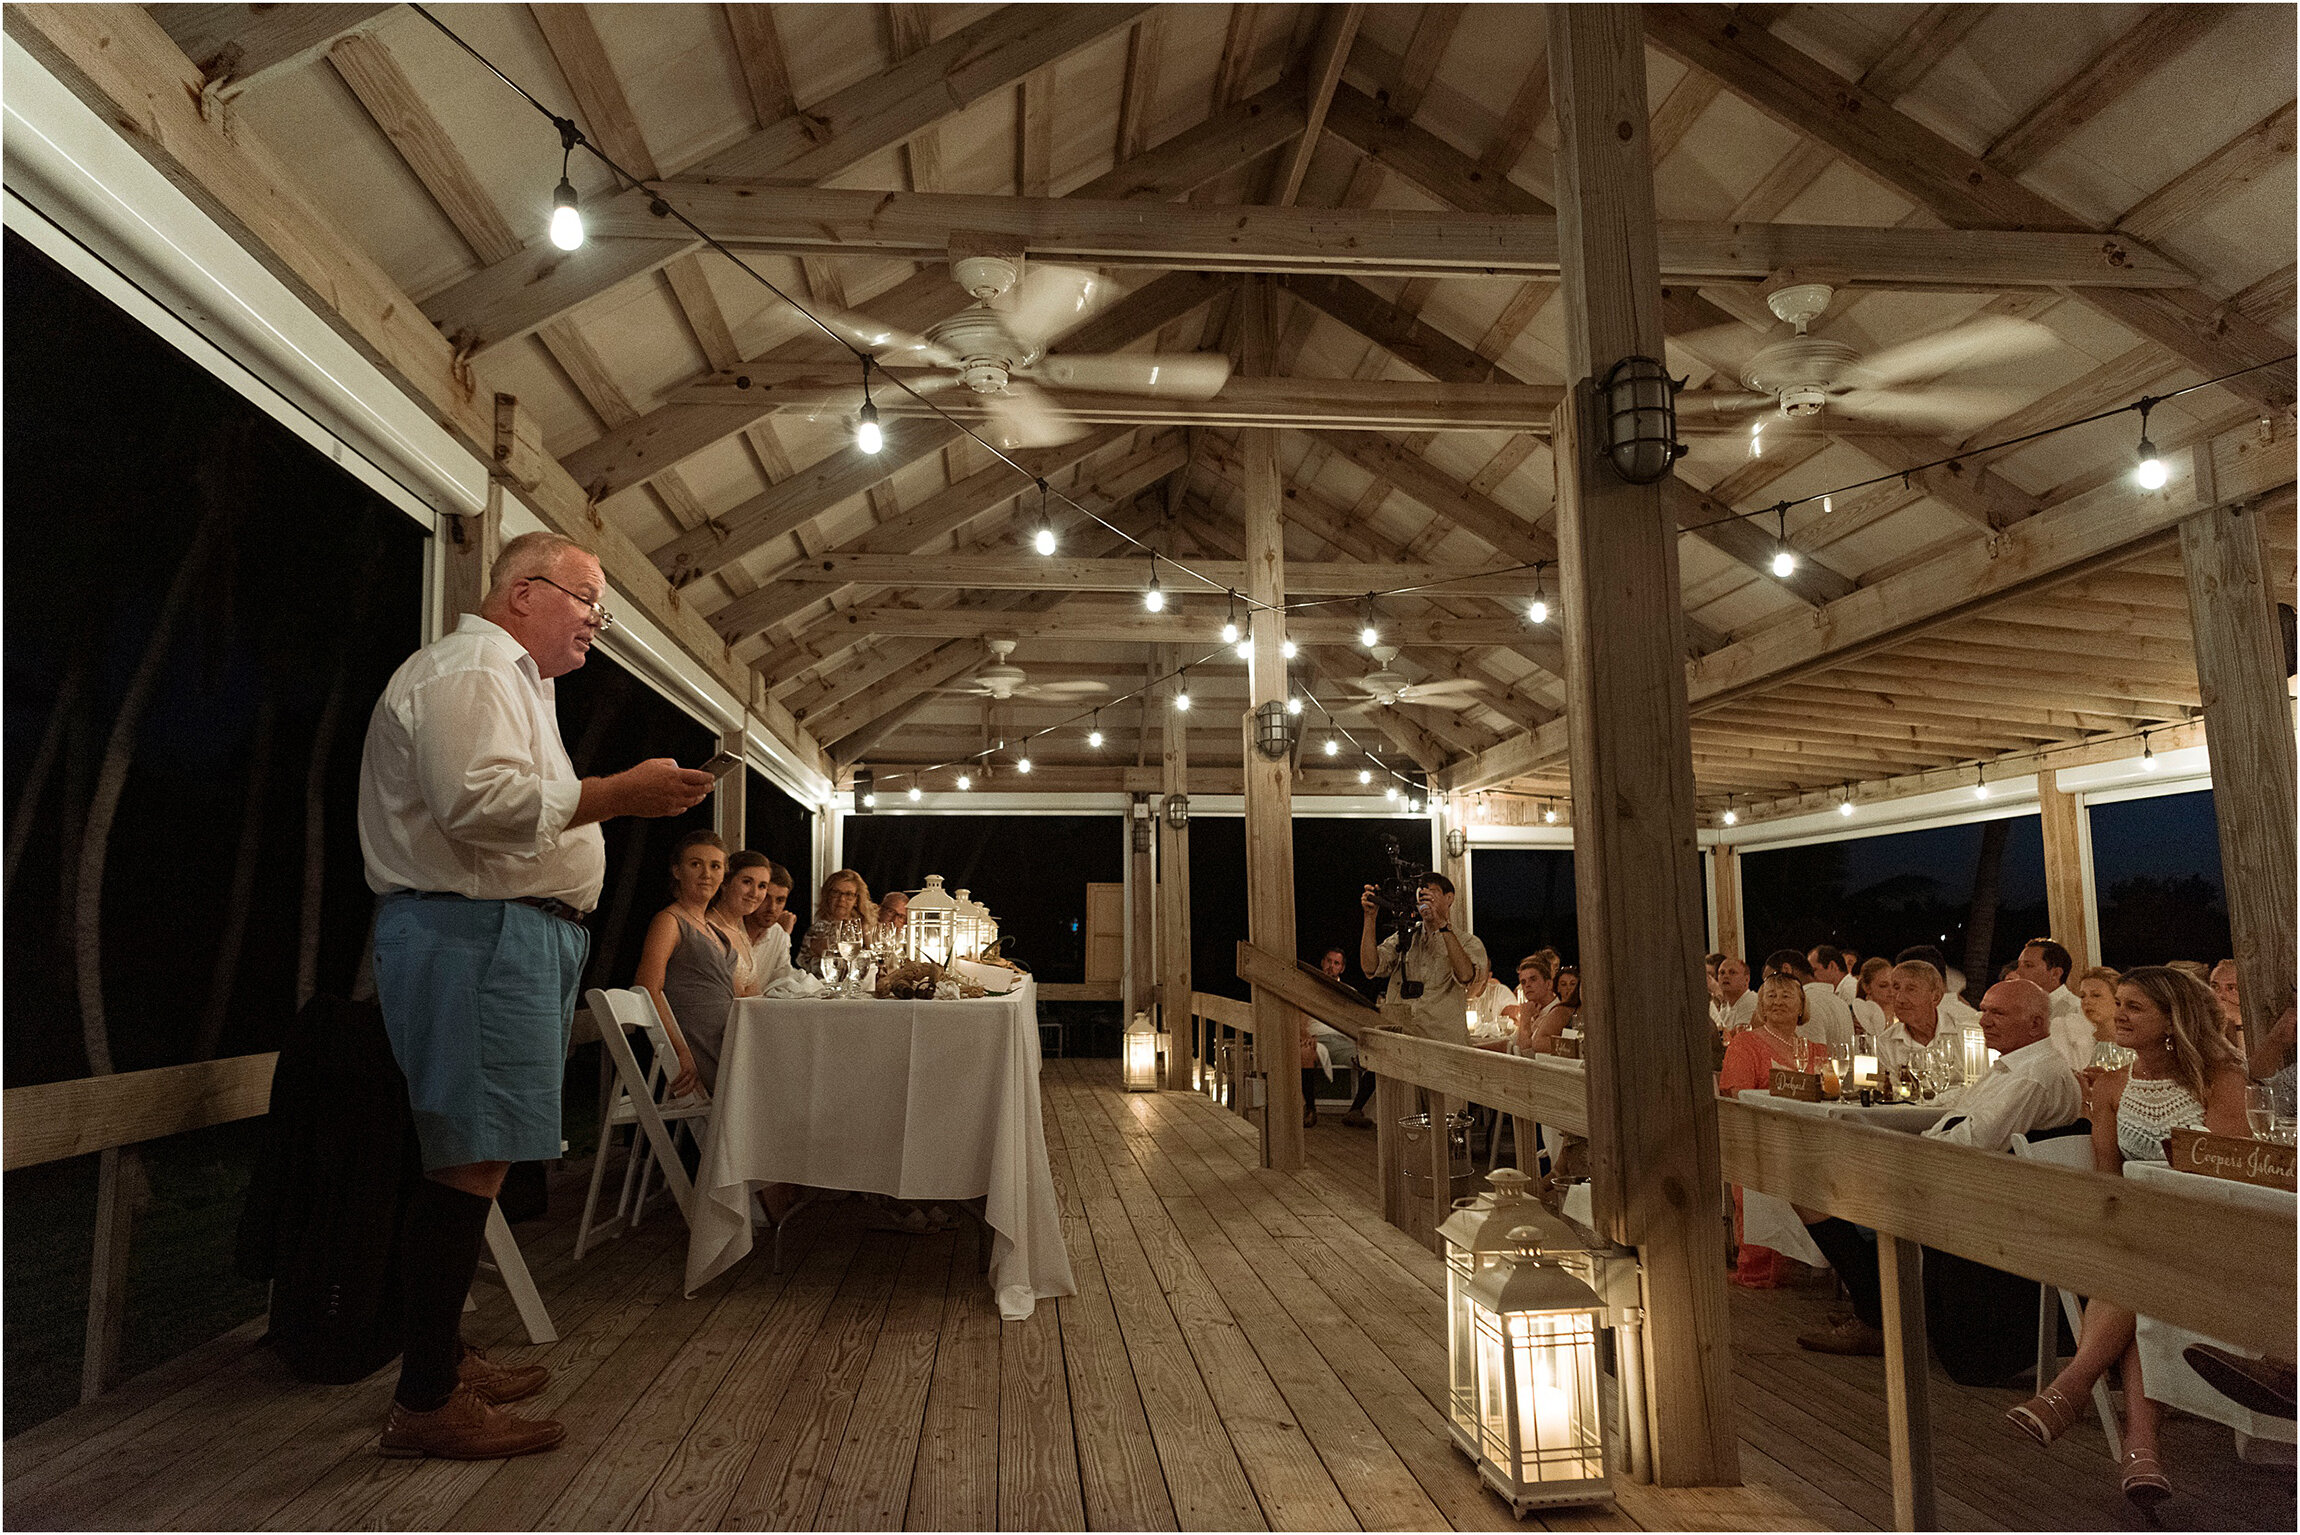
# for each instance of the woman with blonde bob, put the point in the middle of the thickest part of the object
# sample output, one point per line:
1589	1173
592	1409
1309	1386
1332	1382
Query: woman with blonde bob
1772	1039
2183	1076
845	897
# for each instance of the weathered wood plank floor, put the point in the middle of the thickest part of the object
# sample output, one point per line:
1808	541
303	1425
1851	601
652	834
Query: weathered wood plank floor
1246	1351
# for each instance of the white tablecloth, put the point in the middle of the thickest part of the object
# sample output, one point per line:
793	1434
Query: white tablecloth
2169	1378
918	1100
1769	1221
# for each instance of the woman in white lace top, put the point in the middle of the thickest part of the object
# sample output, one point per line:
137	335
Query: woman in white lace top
2183	1076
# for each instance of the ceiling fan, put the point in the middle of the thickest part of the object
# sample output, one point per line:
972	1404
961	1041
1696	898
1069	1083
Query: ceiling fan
997	348
1003	680
1385	687
1802	375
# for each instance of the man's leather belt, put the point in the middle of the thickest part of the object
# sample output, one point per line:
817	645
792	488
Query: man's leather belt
549	905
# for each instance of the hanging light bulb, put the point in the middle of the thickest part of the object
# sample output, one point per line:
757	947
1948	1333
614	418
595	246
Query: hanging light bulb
2149	473
566	217
1333	747
1731	815
1784	560
1368	635
1022	764
1845	804
870	802
1294	705
2148	763
1549	813
965	782
1539	611
1154	599
1230	624
1182	694
868	437
1391	794
1980	783
916	794
1365	775
1243	650
1043	540
1286	649
1094	736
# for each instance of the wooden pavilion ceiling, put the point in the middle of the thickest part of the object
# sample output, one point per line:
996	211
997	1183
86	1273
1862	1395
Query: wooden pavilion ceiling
2121	175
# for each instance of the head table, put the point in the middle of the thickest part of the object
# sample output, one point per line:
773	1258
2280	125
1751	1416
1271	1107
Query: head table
917	1100
1769	1221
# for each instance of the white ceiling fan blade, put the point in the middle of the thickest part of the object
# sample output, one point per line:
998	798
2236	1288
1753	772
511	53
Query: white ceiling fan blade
890	345
1454	691
1992	338
1725	405
1063	690
1050	299
1173	375
1022	417
1953	410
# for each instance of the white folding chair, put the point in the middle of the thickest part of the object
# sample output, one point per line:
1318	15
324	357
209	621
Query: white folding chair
2066	1151
637	1103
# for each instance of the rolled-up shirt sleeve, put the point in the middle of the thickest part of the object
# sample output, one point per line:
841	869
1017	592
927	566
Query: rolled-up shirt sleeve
475	763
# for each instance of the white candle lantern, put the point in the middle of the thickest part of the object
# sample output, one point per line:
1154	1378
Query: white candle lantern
967	934
932	931
1976	1052
1141	1055
1477	1236
1540	1424
1864	1071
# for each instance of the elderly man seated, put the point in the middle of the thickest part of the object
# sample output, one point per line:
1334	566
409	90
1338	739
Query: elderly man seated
1982	1321
1919	1023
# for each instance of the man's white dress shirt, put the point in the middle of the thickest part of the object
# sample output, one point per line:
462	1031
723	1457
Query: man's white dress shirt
1897	1047
771	956
465	786
1738	1013
1956	1012
1828	1021
2071	1030
1867	1016
2029	1090
1849	987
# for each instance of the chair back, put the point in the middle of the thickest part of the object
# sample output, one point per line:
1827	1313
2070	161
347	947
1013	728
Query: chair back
2059	1150
618	1012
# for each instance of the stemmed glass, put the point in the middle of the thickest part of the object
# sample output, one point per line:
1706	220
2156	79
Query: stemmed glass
848	940
2108	1055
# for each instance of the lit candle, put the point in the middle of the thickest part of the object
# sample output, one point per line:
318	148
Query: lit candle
1864	1071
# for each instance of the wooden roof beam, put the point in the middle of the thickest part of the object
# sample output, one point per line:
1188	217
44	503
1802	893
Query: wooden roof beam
1335	34
236	46
2054	547
1125	624
1126	573
512	297
2163	33
1958	188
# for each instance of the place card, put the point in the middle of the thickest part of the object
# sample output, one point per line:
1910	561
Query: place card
2224	1156
1804	1086
1570	1049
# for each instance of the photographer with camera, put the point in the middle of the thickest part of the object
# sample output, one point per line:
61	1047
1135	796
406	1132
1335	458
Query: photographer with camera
1433	968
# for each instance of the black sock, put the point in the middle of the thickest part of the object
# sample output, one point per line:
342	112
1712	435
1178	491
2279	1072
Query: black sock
1365	1090
438	1256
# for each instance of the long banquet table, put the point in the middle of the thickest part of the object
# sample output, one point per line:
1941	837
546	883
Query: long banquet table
917	1100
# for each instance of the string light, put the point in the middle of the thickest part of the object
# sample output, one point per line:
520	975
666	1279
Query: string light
1286	649
1243	650
1154	599
1022	765
1043	540
2148	762
1368	635
1182	695
1549	813
1845	805
1731	815
1539	612
916	794
965	782
1365	775
1980	782
1391	793
1294	704
1094	736
868	437
1230	624
1333	747
2149	473
870	801
566	215
1784	560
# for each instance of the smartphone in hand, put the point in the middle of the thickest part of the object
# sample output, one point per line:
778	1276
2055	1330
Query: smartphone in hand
722	764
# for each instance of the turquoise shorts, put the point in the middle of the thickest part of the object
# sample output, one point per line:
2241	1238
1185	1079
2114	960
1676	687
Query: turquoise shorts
478	997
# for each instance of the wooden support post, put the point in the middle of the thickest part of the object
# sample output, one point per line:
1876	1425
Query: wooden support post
119	1171
1652	1106
2067	870
1269	782
1908	1395
1455	866
1725	871
2248	737
1393	1101
1440	1203
1141	925
730	798
1174	897
473	540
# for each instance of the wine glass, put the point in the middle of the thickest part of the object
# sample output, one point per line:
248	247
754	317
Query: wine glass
846	938
2259	1111
2108	1055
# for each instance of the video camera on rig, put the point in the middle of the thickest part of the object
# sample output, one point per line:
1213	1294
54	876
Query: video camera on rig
1398	897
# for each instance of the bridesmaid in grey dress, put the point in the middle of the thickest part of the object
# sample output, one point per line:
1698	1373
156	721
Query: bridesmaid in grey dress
689	963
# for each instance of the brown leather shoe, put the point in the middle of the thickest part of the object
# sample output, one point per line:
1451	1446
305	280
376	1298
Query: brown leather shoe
498	1383
1851	1336
465	1428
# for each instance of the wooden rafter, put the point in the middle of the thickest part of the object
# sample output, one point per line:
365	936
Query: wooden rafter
236	46
2163	33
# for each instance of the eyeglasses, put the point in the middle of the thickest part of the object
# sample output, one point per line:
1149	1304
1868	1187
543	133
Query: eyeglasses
605	619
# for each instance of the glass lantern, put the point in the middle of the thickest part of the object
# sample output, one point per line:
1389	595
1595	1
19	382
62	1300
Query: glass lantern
1974	1046
931	933
966	936
1540	1420
1477	1236
1141	1055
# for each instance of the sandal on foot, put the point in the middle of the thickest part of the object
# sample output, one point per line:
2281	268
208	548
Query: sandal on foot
2043	1417
2144	1483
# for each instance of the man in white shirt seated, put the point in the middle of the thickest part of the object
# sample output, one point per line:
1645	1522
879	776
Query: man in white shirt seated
1828	1021
770	930
2045	965
1831	969
1953	1005
1738	1002
1982	1321
1918	1019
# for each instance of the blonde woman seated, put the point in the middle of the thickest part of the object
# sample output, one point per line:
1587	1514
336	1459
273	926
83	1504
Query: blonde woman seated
845	898
2183	1076
2096	992
1538	1017
688	962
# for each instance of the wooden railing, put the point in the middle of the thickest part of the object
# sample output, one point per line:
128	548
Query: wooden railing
1223	1031
2223	1270
51	1121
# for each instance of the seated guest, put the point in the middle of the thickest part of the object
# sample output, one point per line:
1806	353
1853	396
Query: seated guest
2096	994
1917	1020
2194	969
2045	965
1569	991
1953	1005
1982	1321
687	963
1775	1037
2224	991
1828	966
1733	993
845	898
893	912
1828	1020
1872	1000
2183	1076
750	905
1709	964
1538	1018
